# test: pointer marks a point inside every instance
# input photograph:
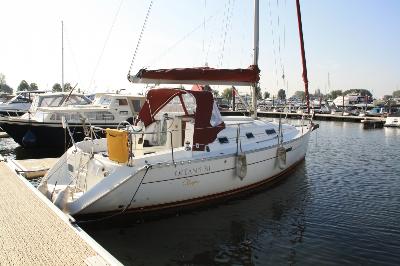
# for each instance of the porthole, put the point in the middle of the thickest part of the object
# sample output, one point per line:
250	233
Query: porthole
270	131
249	135
223	140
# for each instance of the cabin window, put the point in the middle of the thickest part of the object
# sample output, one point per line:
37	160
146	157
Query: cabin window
136	105
99	116
249	135
223	140
104	116
105	100
270	131
122	102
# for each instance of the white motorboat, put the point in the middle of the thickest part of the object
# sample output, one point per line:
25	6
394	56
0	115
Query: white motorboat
180	151
19	104
393	120
43	125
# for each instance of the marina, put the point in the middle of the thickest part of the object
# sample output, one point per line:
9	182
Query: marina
341	208
204	133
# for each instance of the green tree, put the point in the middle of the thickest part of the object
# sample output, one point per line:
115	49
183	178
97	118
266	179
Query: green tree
387	97
258	93
207	88
396	94
5	88
215	93
23	86
266	94
67	86
335	93
3	85
227	93
300	95
57	87
282	94
2	78
33	87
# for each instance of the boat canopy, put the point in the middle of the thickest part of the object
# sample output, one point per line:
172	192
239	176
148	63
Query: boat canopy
208	121
199	75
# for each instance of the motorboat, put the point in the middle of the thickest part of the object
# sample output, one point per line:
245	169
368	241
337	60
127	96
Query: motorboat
179	151
393	120
351	111
350	100
45	123
19	104
376	111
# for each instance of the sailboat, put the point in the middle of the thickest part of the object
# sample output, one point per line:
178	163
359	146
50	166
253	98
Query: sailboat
179	152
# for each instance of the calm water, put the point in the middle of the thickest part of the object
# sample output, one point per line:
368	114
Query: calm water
340	206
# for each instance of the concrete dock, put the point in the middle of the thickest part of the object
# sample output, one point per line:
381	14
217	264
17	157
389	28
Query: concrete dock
35	232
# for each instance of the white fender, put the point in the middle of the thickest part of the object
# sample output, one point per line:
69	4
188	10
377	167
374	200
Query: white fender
62	198
241	165
281	157
43	188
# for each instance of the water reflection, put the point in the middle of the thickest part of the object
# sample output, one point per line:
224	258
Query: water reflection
10	149
242	231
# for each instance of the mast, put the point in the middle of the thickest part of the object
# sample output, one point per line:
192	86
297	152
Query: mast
255	59
62	55
303	55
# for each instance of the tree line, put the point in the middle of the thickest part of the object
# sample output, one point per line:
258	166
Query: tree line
25	86
227	94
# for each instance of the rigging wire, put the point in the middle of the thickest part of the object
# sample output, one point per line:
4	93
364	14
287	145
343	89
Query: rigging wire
175	44
140	37
105	43
72	54
273	43
228	24
204	25
278	43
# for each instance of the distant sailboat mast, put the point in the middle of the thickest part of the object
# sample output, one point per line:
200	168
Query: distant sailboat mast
62	55
256	48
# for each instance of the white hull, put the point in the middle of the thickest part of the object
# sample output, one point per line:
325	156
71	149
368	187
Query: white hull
192	179
170	186
392	121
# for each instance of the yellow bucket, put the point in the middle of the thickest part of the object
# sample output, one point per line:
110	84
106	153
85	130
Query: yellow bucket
117	145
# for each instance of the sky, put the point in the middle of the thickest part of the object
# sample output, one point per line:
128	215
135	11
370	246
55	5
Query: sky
354	42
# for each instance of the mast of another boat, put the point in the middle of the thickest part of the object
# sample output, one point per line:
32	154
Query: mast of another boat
62	56
255	59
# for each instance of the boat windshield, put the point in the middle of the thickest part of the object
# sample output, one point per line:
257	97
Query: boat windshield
175	105
50	101
58	100
20	99
76	100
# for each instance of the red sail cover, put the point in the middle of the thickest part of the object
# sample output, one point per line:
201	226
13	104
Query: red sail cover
200	75
204	132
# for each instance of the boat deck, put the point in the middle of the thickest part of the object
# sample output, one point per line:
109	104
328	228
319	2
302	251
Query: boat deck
35	232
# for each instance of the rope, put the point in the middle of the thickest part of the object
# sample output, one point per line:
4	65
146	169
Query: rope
140	37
